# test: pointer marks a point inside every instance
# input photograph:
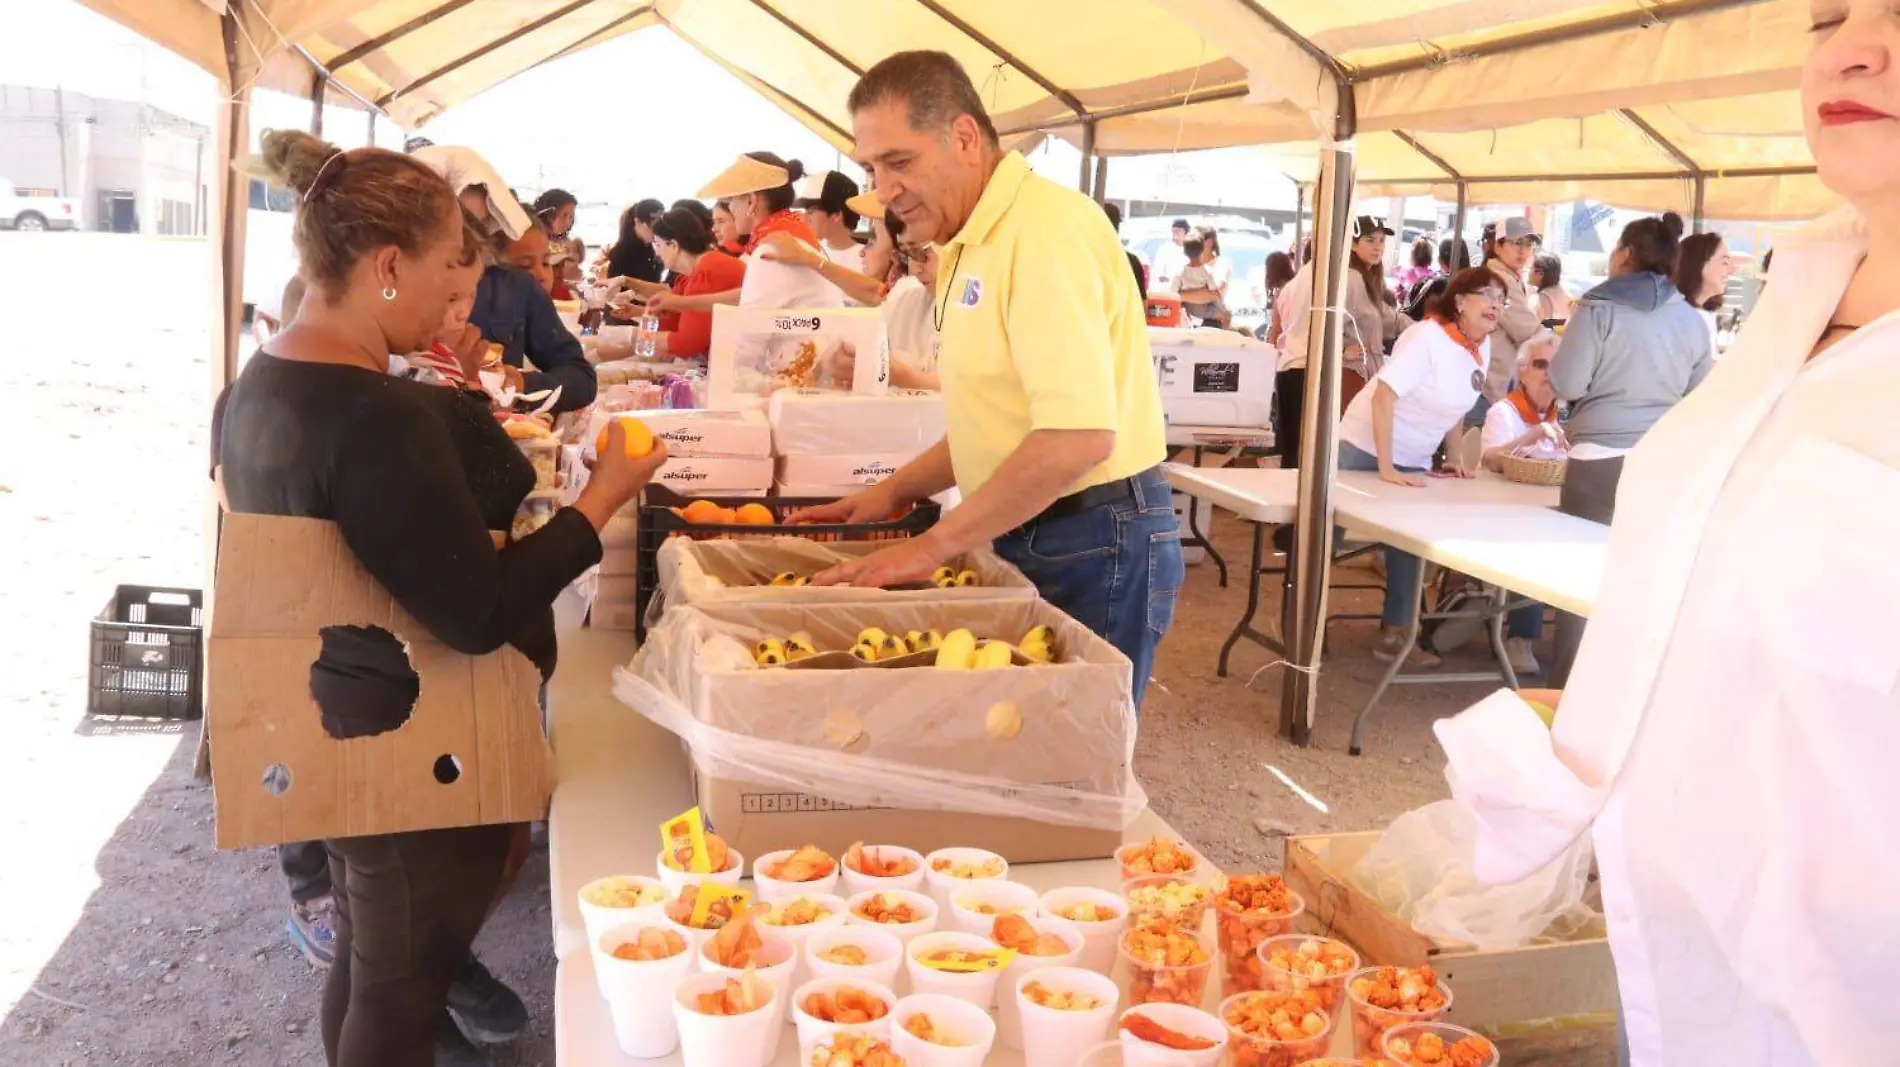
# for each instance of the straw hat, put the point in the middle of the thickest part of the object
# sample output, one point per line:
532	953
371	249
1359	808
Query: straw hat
746	175
867	204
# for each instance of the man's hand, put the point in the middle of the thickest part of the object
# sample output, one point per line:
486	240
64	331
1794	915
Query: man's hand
906	561
788	249
874	504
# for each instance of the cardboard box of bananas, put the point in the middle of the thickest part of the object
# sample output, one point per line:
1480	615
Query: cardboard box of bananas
779	569
958	650
945	578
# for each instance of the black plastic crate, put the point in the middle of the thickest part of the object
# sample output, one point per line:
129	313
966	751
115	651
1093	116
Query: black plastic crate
658	524
148	655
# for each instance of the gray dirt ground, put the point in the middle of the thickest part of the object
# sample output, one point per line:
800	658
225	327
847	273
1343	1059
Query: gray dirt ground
126	939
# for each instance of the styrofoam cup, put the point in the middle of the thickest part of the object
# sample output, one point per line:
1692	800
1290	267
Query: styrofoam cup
1052	1037
598	918
1181	1019
674	881
940	885
814	1032
1098	938
903	932
1009	1020
884	955
1107	1054
958	1019
855	882
777	956
772	889
722	1040
977	987
801	972
1018	898
636	992
693	934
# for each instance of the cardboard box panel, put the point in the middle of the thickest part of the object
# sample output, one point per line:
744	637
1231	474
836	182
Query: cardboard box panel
854	470
729	571
693	476
757	351
697	433
808	422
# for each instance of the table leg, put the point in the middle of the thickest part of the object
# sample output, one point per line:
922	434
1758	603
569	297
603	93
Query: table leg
1398	663
1245	626
1503	599
1202	540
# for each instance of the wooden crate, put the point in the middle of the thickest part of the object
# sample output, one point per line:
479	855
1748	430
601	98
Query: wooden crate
1549	1005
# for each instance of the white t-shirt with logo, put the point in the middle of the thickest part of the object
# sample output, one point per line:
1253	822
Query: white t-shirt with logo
1437	381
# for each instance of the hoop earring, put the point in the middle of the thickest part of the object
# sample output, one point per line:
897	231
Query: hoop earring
389	292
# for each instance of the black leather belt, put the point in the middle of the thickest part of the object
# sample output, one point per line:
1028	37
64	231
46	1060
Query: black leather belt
1093	497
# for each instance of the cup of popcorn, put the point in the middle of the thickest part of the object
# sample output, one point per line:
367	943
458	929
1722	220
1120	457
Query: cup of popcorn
637	964
1157	856
1248	909
974	908
948	868
1270	1029
931	1030
1176	898
1038	944
855	953
830	1007
621	899
1382	998
1061	1013
1098	914
1166	963
1171	1035
1306	963
965	966
1437	1045
795	872
724	1021
900	912
867	867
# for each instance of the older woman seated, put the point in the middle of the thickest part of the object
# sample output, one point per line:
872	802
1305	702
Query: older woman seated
1527	416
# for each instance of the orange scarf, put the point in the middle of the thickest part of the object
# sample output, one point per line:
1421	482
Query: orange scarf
1521	400
1452	331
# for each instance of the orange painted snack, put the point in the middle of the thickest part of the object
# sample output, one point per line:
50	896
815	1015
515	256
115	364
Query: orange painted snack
1166	896
949	868
889	908
1044	996
1418	1046
1386	997
984	907
1275	1029
1014	931
798	911
1249	909
652	944
681	910
680	856
738	996
847	1005
808	864
1157	856
1317	965
623	893
1166	964
855	1050
1142	1028
955	955
737	944
845	956
1087	912
923	1028
876	863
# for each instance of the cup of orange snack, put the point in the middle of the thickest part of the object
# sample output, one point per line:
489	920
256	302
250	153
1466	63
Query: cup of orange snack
1302	963
974	908
637	964
804	870
675	865
678	916
1437	1045
1061	1012
855	1050
1171	1035
796	918
1248	909
1157	856
1166	963
1097	914
1382	998
1174	897
743	947
1039	944
933	1030
724	1021
1269	1029
866	867
964	966
857	953
902	913
619	900
828	1008
948	868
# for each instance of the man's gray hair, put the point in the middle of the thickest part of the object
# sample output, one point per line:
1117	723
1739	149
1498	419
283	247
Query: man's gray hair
933	86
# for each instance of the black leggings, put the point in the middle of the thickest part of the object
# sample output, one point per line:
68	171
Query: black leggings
408	907
1289	414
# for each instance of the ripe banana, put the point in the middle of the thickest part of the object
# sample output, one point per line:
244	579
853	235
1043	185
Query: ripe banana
891	647
799	646
958	651
769	653
1039	644
966	578
865	651
943	574
871	635
991	655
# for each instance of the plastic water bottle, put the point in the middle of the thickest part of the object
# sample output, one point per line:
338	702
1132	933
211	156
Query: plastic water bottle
646	345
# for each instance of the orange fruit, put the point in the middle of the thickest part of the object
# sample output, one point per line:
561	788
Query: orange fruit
701	512
755	515
639	438
728	516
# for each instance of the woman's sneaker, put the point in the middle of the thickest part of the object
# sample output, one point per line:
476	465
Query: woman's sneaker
488	1012
312	930
1387	650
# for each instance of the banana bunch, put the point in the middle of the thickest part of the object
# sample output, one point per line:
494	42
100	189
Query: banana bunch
874	644
1039	644
772	652
950	578
961	651
788	580
957	650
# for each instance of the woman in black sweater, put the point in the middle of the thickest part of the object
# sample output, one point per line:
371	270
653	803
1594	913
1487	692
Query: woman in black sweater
415	476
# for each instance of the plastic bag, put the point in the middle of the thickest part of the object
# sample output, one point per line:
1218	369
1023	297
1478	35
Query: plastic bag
1421	871
740	570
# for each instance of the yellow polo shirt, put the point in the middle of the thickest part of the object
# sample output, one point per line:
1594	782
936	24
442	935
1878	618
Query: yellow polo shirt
1041	329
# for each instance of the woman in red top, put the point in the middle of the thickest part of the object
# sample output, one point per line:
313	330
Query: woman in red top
725	230
686	249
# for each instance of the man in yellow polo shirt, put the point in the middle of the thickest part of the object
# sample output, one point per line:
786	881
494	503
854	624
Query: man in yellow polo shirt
1055	433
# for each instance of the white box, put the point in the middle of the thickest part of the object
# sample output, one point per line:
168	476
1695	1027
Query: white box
714	475
808	422
840	470
1213	377
696	432
756	351
795	491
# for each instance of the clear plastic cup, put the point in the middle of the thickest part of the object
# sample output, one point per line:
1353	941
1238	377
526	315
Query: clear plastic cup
771	888
976	987
1128	873
883	954
813	1031
1189	917
853	881
1009	1020
798	933
1099	936
777	958
903	932
597	918
941	884
636	992
1370	1022
961	1021
1254	1050
1058	1037
1003	897
1239	935
1399	1043
674	881
722	1040
1330	988
1182	1019
1150	983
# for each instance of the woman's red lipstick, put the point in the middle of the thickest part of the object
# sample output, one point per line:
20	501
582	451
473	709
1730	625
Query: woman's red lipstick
1843	112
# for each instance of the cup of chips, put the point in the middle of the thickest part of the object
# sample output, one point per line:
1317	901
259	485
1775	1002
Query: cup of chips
975	907
636	965
902	913
855	1050
856	953
679	914
724	1021
965	966
1302	963
1270	1029
796	918
743	947
728	865
828	1007
1166	963
933	1030
1173	897
795	872
948	868
1157	856
1061	1012
1383	998
1248	909
1437	1045
867	867
621	899
1171	1035
1098	914
1039	944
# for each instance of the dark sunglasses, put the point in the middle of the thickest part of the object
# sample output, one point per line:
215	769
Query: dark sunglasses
1540	364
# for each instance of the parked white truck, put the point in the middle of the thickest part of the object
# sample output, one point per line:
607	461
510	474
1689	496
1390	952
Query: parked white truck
35	212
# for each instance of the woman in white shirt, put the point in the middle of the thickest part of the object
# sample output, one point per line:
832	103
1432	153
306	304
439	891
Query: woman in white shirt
1418	400
1726	740
1525	420
1703	268
1371	322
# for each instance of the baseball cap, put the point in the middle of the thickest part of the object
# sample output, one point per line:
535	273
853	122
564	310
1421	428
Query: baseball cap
1367	225
1516	228
465	168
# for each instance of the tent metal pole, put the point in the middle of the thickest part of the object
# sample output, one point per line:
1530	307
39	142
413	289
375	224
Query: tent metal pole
372	130
500	42
1100	187
1088	156
1299	221
1701	198
1069	99
1169	103
376	43
1638	17
317	82
808	37
1458	219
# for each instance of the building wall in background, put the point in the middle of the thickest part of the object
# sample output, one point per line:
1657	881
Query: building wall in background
127	164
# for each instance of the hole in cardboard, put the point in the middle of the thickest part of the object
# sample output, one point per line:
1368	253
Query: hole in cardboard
276	779
362	681
447	769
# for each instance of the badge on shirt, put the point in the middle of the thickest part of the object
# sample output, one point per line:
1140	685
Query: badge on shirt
972	292
1477	380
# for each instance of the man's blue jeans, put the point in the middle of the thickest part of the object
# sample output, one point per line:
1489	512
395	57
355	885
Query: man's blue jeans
1115	568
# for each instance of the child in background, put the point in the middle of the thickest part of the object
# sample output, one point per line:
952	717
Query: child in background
1195	286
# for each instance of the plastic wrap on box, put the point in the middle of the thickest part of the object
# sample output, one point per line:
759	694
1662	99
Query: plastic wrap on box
859	470
756	351
731	572
805	422
912	738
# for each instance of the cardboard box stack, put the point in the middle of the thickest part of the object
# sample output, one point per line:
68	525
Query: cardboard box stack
833	444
